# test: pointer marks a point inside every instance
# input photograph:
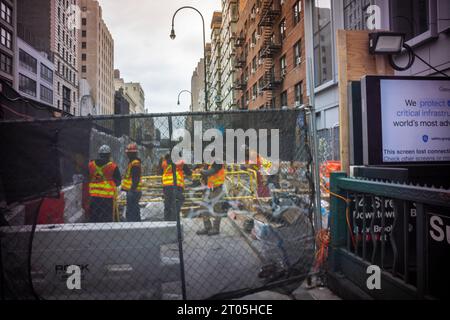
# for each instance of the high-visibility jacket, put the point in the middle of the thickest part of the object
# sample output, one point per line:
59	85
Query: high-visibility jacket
262	165
167	177
217	179
101	182
127	181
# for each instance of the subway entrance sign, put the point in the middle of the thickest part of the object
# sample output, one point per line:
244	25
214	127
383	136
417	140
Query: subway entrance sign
405	120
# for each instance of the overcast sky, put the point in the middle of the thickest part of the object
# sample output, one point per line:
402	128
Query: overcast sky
144	52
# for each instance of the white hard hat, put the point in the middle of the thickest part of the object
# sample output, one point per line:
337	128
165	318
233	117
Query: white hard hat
105	149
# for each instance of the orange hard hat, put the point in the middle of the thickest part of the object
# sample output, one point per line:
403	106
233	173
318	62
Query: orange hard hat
132	148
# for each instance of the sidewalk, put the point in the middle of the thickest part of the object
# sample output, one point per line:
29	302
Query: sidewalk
301	294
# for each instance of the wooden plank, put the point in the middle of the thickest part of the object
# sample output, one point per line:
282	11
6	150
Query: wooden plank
343	96
354	62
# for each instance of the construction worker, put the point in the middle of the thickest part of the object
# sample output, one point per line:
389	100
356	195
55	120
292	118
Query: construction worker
215	177
104	177
173	193
132	184
264	169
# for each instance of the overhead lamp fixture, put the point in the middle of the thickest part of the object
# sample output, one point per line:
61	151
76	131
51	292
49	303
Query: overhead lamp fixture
172	34
386	42
391	44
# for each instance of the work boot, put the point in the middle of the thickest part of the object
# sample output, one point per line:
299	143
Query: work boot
207	229
216	228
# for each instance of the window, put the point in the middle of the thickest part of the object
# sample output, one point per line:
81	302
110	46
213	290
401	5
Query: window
255	91
83	69
260	85
355	14
322	41
46	94
84	33
283	66
254	38
297	53
83	45
83	57
5	13
27	85
410	17
5	63
83	21
283	29
66	98
284	99
299	94
253	12
46	73
296	11
254	65
5	38
27	61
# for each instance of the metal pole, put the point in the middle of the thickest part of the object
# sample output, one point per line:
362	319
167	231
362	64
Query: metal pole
204	46
315	144
174	208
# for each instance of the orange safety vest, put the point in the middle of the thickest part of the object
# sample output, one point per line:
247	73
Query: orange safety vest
101	182
167	177
127	180
217	179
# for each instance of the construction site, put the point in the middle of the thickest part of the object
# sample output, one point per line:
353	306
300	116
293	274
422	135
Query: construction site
266	237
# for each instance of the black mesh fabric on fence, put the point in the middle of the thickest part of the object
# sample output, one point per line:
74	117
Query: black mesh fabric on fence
72	230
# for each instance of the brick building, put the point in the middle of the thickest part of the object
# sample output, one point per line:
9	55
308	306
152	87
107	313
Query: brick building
271	71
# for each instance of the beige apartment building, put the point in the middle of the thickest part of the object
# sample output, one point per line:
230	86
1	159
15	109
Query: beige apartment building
214	67
96	56
198	87
230	15
46	25
133	90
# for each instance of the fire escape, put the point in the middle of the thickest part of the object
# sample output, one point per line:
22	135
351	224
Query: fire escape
239	63
270	11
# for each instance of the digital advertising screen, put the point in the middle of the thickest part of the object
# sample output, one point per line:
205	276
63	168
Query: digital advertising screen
406	120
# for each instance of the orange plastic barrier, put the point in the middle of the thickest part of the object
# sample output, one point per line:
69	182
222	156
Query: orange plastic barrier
325	172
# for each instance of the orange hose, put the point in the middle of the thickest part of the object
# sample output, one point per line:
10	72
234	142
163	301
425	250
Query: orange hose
347	214
323	241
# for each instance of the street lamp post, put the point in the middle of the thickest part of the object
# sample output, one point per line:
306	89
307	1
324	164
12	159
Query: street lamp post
192	101
173	36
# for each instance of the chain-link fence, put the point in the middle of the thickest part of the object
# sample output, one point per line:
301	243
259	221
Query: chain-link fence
91	211
329	161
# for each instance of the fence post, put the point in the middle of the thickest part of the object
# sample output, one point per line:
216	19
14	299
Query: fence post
174	206
337	219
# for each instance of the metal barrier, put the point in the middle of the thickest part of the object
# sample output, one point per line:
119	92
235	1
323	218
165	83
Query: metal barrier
152	187
397	227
